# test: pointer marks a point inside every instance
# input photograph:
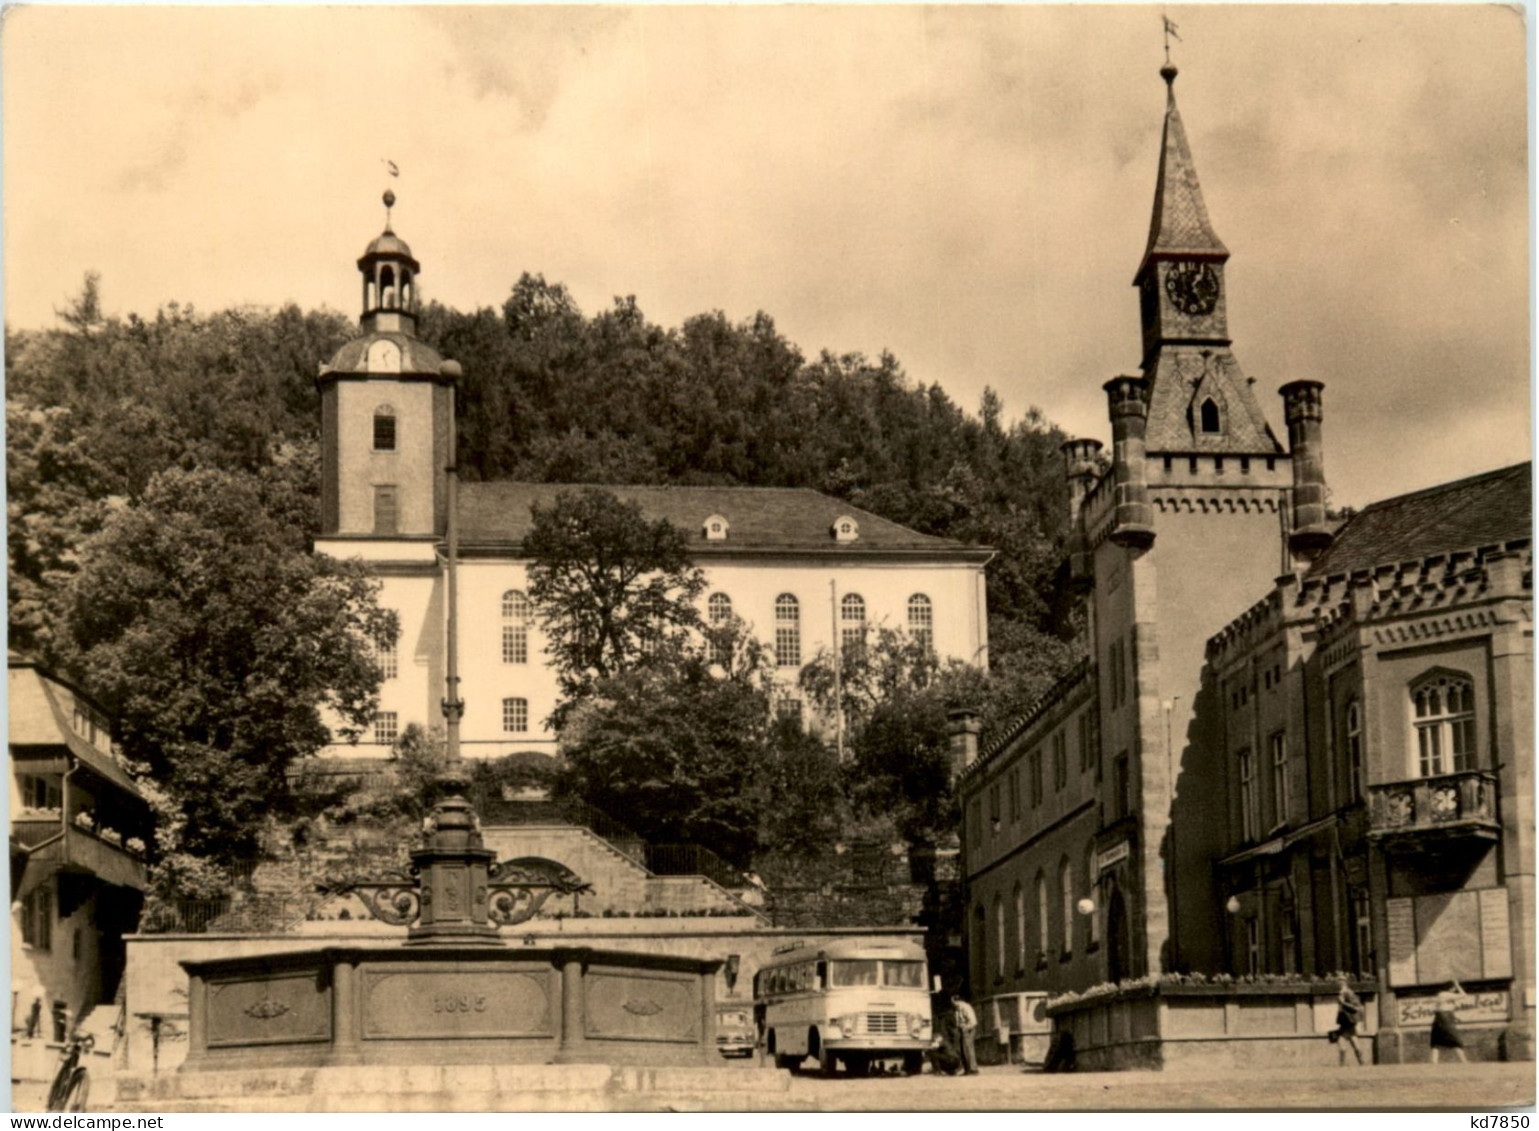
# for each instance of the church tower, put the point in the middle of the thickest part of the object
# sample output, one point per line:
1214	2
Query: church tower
1199	511
387	408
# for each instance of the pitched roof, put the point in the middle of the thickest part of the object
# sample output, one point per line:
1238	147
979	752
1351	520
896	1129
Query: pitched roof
1180	224
38	720
1484	510
1182	378
758	518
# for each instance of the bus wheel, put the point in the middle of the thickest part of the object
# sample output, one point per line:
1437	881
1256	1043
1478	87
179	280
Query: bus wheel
913	1063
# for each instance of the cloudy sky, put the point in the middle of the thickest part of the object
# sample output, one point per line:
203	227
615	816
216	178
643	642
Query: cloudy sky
968	187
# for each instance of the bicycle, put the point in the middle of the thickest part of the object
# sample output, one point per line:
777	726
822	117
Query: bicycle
71	1086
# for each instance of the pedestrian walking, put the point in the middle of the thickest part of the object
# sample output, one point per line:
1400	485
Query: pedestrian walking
1349	1014
967	1027
1445	1025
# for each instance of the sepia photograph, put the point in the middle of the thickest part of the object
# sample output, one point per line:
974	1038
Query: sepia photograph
797	558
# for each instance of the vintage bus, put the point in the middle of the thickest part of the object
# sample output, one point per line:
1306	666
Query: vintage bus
851	1001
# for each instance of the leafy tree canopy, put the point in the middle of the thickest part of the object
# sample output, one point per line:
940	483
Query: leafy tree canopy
609	587
214	638
674	748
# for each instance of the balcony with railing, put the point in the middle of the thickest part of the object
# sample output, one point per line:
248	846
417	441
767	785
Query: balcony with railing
1413	815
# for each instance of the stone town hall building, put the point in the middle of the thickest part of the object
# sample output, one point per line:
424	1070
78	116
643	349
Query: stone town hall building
1336	778
800	568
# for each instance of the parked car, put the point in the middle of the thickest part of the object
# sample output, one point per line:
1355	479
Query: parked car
735	1034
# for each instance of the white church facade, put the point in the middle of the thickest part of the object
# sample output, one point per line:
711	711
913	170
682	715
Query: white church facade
801	569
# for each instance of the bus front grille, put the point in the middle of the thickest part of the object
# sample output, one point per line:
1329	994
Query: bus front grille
881	1022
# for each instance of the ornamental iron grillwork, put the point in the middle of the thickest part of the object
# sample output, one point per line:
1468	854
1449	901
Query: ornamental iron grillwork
455	890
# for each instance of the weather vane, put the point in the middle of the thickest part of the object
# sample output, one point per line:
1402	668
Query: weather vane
1170	32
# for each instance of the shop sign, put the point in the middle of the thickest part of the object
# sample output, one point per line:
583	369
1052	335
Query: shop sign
1488	1005
1111	856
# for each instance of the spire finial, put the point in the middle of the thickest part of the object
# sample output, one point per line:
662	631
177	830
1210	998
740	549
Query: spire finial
1169	72
393	170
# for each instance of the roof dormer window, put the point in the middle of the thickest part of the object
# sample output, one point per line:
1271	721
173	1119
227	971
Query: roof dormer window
846	529
716	528
1211	422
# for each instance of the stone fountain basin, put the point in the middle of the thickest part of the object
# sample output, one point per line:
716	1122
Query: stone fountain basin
451	1004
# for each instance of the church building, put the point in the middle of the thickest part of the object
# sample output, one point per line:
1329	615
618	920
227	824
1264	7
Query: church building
803	570
1340	780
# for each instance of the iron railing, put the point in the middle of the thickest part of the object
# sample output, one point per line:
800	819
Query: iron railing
693	860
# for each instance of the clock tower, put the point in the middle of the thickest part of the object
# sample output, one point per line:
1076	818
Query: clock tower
1200	400
387	410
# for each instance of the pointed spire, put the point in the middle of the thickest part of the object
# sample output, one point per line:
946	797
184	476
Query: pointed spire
1180	224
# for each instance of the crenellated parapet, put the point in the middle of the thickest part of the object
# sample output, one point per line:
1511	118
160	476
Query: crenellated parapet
1442	586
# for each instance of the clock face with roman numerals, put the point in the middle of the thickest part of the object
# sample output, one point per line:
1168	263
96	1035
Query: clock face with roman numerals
1192	286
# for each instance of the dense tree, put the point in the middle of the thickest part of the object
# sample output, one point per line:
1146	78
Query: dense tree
610	588
674	748
216	640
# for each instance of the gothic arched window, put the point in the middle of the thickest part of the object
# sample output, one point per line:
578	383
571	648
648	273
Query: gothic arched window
999	937
1044	938
1210	417
1444	706
1066	894
1090	885
1020	929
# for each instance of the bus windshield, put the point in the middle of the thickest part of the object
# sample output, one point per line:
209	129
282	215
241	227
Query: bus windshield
870	972
853	972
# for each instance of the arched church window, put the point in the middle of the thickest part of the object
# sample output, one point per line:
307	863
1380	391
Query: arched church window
1210	419
788	632
852	618
921	620
384	429
515	627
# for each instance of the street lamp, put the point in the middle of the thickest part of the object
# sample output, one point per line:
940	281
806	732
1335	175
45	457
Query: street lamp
1233	905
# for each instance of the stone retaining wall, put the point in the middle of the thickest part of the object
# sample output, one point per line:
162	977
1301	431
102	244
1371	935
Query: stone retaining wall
1183	1026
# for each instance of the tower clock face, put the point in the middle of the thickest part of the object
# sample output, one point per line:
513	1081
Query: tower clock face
1192	286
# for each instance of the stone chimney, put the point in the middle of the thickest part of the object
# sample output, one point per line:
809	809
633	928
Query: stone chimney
1079	458
962	729
1128	402
1302	409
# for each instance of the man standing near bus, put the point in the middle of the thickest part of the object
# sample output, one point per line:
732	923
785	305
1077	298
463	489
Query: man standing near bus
967	1026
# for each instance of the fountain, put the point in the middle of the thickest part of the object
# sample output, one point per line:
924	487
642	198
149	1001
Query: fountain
452	992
